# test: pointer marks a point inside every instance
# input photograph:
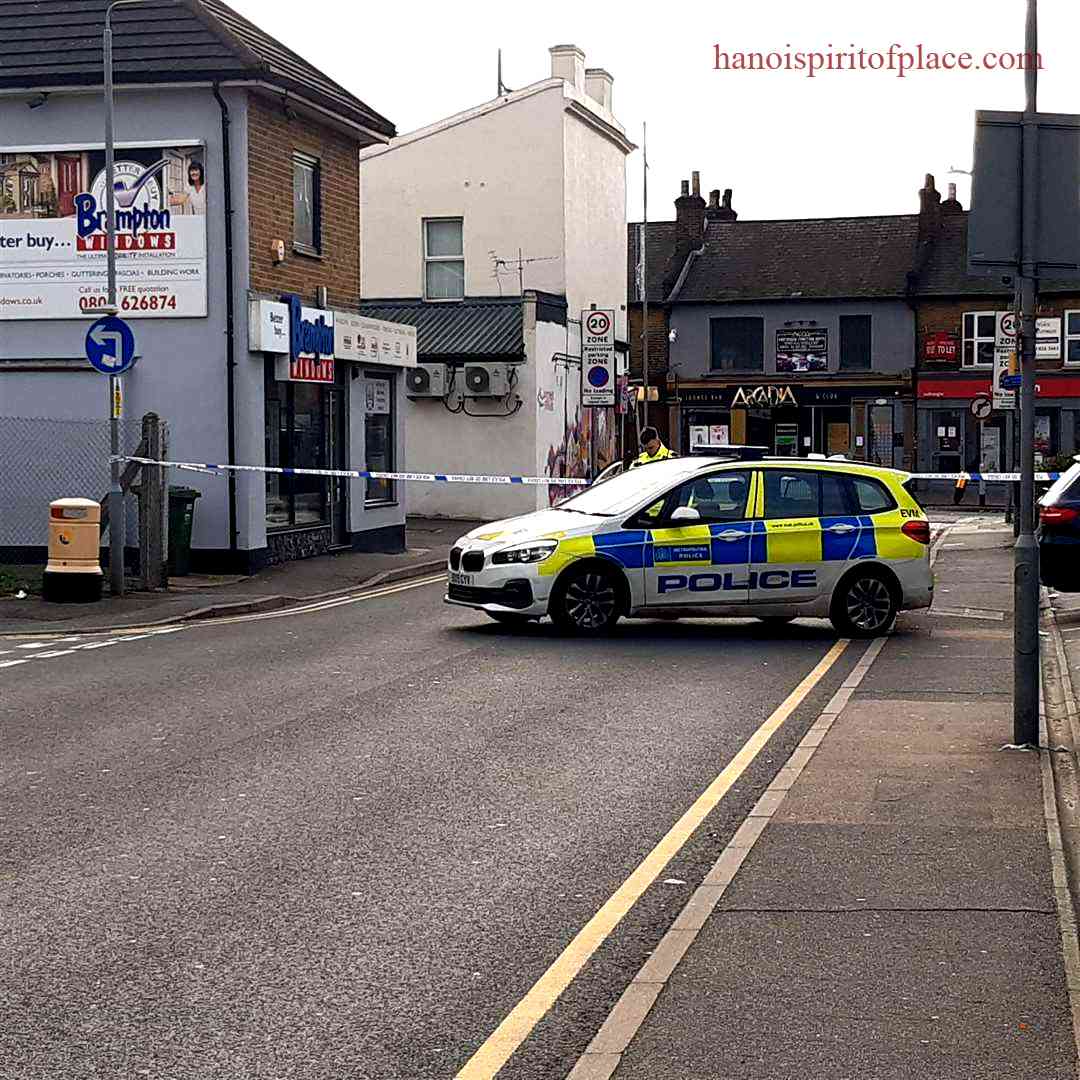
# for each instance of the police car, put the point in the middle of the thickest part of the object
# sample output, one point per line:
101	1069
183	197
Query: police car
773	538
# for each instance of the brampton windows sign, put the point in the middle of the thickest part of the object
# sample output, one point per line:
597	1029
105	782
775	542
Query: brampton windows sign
53	231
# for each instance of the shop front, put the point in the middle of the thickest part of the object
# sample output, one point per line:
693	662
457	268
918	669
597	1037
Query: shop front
332	393
955	433
865	421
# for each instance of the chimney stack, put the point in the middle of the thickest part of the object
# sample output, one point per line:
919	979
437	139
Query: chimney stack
929	210
598	84
690	215
718	212
568	64
952	204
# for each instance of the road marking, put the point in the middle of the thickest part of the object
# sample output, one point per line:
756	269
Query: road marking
604	1052
36	645
969	613
534	1006
13	663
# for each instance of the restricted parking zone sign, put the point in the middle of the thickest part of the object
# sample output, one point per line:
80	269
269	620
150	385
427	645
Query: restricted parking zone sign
598	384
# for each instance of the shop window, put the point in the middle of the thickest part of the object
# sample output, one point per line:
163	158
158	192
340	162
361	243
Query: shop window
738	344
1047	433
307	205
379	434
444	259
296	437
854	342
979	338
1072	337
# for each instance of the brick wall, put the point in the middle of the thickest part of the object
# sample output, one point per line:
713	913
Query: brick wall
948	316
658	343
272	140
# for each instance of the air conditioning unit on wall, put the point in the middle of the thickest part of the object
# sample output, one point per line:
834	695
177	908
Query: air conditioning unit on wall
485	380
426	380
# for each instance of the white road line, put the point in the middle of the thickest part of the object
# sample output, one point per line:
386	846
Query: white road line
13	663
50	655
36	645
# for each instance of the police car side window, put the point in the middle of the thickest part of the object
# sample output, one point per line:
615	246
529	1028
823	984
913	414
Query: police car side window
871	495
717	498
791	494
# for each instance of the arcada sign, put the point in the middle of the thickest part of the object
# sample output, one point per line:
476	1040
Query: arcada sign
767	397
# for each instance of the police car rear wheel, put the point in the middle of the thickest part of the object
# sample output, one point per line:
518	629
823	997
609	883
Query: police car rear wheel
865	606
587	602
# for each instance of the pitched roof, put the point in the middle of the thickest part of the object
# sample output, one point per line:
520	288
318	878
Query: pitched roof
472	327
945	272
659	245
812	258
58	43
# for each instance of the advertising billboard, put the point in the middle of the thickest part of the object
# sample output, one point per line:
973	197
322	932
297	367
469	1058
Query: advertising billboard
53	232
802	349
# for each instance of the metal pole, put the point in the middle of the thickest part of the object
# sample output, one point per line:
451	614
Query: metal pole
645	272
1026	552
116	496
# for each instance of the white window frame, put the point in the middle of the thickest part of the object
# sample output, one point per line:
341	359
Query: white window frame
442	259
1066	337
976	340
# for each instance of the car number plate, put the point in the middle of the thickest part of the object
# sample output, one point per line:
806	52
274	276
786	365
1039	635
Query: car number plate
460	579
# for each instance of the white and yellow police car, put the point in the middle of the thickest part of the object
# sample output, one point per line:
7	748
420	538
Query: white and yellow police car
774	538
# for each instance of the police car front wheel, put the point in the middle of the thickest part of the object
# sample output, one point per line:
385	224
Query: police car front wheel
864	606
587	601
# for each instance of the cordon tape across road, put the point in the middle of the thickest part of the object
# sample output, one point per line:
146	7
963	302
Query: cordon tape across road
468	478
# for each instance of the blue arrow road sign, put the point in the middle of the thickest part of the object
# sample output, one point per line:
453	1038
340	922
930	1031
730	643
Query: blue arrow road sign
110	346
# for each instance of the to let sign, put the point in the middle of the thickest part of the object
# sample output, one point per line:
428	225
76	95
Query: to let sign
940	345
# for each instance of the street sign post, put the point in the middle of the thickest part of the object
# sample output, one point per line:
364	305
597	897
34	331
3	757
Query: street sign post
598	383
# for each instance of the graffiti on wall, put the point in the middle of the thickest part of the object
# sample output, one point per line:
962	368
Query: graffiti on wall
587	447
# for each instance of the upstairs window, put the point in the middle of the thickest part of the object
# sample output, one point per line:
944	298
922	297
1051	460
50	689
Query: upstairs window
1072	337
979	338
738	344
854	342
444	259
307	205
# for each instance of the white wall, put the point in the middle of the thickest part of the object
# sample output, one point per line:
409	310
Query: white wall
594	182
501	171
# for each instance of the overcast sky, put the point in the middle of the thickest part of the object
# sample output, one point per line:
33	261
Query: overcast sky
841	143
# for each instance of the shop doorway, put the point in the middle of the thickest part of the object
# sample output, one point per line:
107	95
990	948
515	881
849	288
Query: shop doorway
880	450
947	440
337	432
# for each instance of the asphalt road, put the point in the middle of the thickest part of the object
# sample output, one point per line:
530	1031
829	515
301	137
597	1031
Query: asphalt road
346	843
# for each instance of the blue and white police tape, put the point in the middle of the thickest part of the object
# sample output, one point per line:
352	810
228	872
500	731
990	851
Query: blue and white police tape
974	477
364	474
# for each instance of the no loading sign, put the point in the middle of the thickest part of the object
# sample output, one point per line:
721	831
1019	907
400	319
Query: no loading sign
598	357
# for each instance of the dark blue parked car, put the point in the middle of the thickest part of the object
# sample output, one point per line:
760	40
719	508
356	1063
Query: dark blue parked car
1059	533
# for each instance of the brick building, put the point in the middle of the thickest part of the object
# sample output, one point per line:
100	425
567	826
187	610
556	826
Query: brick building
247	159
956	316
904	336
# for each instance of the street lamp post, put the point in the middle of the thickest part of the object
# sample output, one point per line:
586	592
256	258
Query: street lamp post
116	495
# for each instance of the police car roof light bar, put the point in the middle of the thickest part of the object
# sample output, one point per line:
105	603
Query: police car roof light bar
731	453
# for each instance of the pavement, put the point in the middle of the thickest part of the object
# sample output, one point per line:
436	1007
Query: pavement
428	542
894	915
351	838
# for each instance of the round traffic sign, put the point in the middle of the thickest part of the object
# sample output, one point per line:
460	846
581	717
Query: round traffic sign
981	407
598	376
597	323
110	346
1008	324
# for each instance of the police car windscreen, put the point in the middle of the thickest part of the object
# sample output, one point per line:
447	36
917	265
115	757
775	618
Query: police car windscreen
622	493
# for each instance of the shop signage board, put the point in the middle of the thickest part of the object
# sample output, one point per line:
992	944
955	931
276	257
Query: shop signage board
1048	339
598	357
374	341
802	349
268	326
940	345
53	231
310	357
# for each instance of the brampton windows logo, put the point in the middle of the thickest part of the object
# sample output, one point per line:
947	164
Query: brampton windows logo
896	60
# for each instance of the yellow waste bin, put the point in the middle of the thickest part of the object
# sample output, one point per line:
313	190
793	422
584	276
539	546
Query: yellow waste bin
73	574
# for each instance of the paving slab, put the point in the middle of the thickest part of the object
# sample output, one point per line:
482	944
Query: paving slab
862	996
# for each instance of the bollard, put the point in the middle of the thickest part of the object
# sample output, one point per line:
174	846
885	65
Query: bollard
73	573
